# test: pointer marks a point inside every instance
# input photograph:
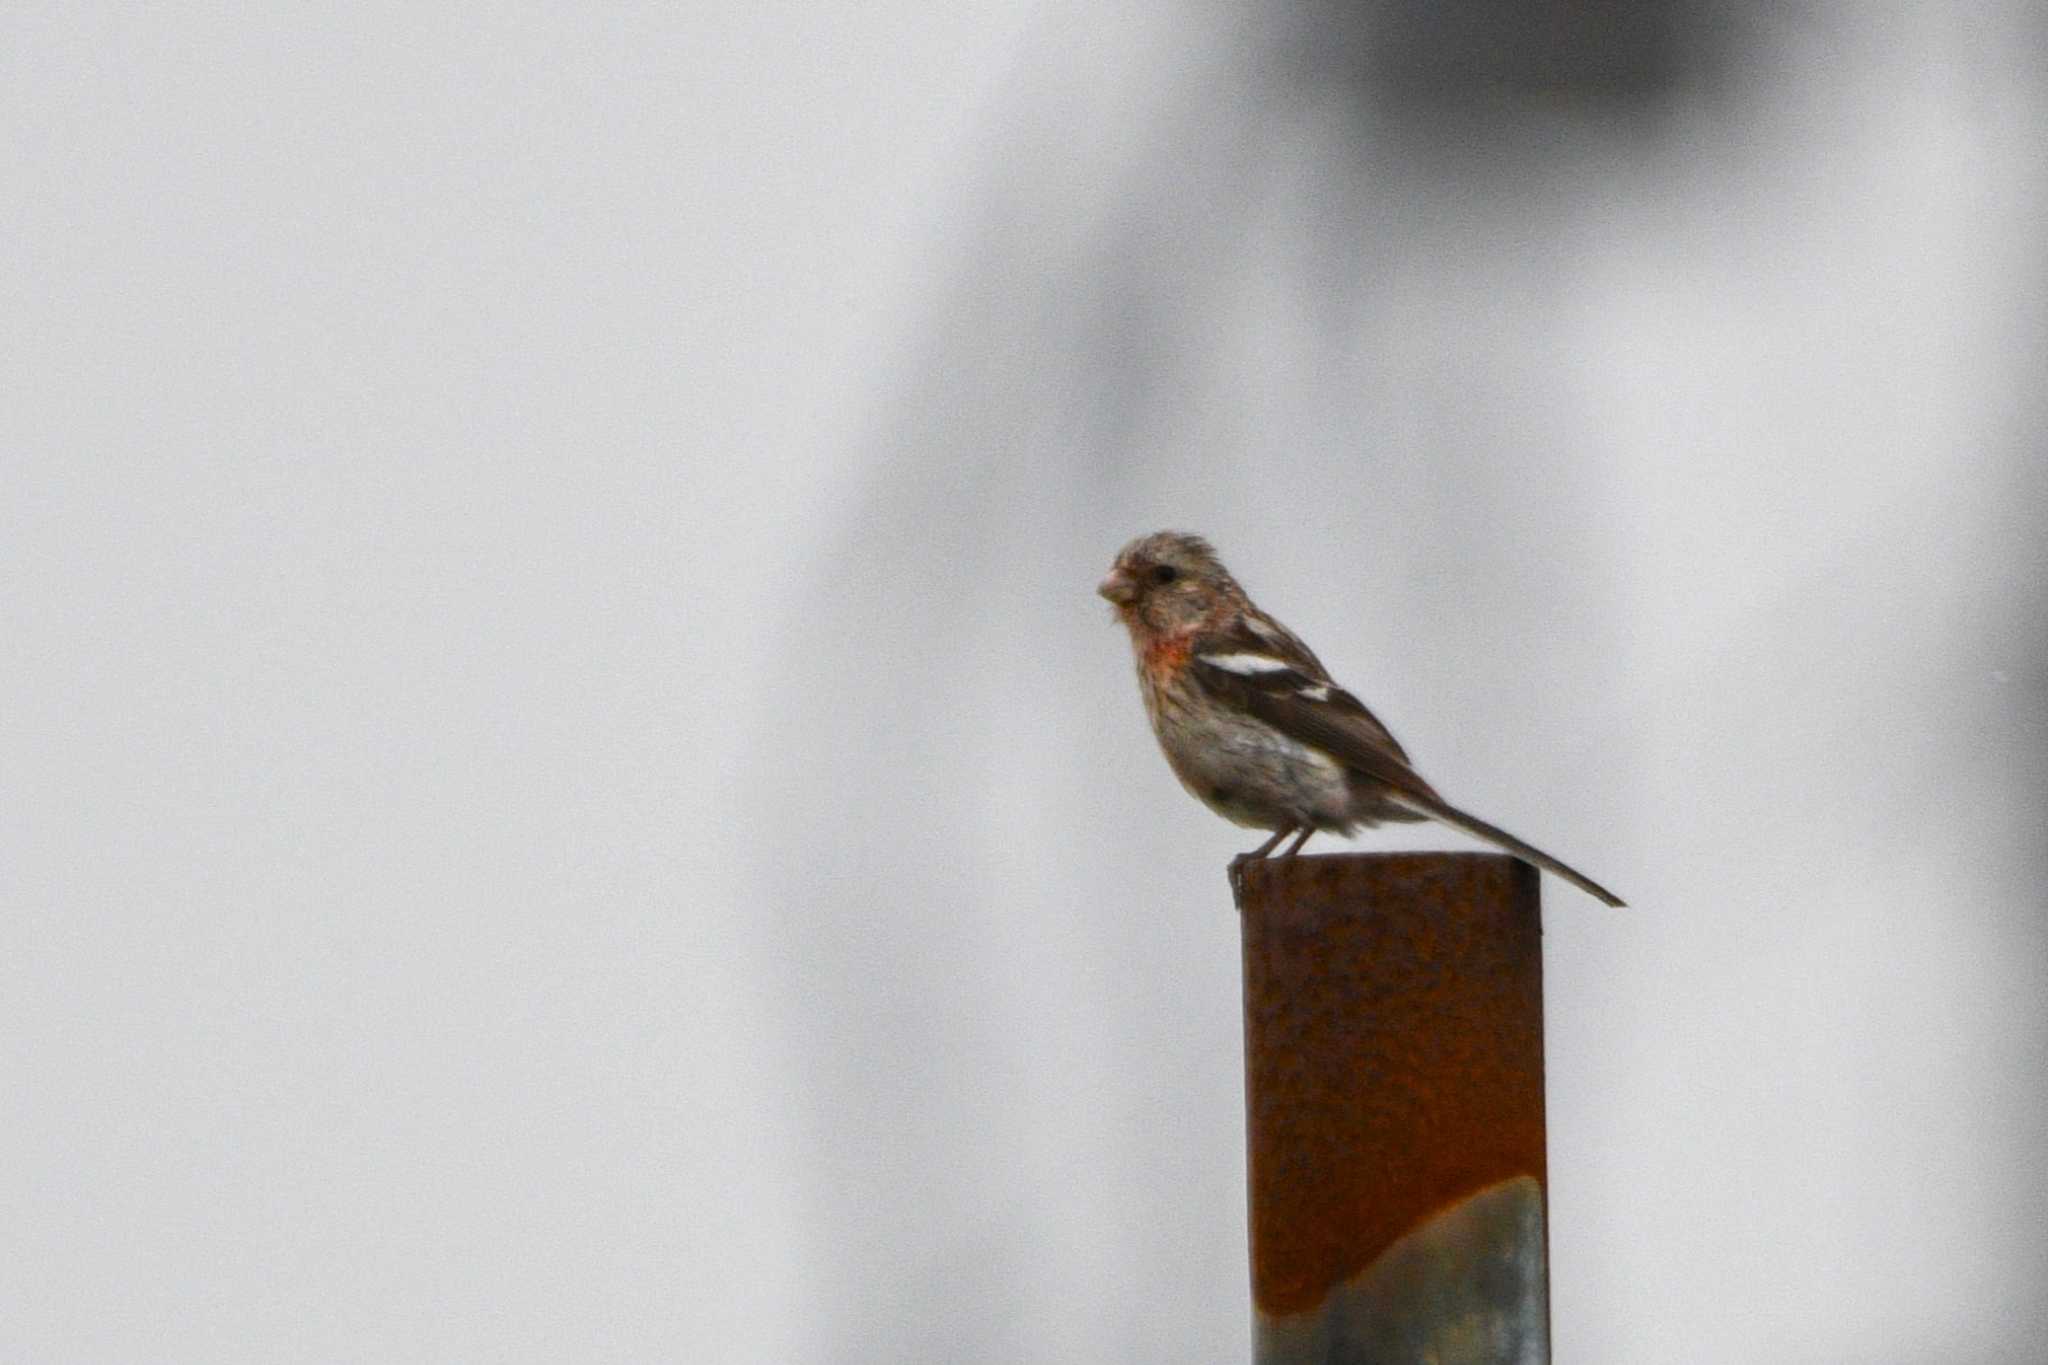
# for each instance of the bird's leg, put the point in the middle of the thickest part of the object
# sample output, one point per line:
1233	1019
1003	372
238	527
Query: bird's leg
1263	849
1237	864
1306	832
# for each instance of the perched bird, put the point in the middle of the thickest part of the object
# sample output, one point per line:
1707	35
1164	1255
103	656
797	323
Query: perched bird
1252	722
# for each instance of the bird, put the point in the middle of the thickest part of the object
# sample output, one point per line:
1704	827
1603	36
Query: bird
1252	723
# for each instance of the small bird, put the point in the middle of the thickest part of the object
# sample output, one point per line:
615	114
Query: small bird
1252	722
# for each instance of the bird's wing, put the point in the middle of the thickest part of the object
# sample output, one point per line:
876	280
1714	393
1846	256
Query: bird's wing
1260	667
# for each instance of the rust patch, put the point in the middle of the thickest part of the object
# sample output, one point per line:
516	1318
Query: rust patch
1393	1052
1169	651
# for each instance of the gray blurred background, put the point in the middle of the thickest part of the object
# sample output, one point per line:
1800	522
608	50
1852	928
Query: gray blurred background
566	796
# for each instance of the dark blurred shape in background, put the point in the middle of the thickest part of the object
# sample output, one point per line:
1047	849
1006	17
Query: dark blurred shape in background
1501	57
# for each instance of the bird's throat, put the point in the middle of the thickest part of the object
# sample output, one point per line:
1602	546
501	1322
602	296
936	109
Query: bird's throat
1167	651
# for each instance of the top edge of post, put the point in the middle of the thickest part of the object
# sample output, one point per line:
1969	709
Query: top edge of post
1265	882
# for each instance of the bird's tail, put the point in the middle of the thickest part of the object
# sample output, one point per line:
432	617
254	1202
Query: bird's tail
1436	809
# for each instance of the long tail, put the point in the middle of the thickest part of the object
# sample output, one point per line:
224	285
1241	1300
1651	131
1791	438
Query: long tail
1437	810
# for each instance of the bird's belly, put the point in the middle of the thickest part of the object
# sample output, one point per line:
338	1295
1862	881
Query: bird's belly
1252	775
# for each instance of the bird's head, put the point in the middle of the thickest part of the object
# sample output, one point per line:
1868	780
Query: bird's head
1168	582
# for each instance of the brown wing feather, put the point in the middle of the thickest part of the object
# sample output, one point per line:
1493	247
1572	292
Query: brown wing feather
1354	738
1334	721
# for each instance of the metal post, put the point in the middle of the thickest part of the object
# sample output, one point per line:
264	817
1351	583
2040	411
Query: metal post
1393	1023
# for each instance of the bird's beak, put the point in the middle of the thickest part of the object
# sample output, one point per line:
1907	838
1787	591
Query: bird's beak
1118	587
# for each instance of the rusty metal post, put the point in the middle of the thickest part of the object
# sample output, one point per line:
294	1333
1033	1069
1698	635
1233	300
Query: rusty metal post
1393	1024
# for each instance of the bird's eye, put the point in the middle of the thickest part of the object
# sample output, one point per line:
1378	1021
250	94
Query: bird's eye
1165	574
